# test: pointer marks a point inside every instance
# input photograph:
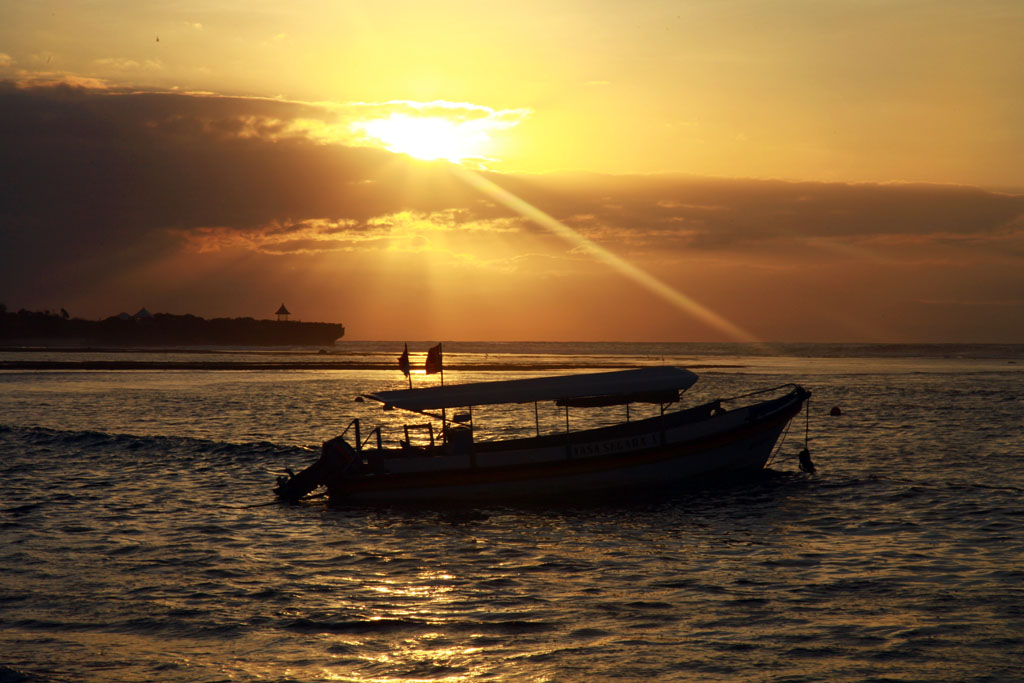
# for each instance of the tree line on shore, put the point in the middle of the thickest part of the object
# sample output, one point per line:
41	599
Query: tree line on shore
29	327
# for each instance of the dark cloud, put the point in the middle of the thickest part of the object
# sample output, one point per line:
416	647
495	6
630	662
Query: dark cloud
94	178
131	162
719	213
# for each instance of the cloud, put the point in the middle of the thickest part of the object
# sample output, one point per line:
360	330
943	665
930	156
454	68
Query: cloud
157	160
737	213
311	235
458	111
128	65
103	182
50	79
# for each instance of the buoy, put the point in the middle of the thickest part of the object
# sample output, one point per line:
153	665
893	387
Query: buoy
805	462
835	412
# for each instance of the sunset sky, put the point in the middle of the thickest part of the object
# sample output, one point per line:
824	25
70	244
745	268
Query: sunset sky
696	170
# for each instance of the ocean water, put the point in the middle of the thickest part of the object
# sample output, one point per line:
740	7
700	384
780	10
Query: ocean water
139	539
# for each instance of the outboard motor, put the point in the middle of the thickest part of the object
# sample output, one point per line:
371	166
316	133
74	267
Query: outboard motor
337	461
340	463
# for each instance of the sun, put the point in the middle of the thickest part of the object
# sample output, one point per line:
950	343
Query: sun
428	137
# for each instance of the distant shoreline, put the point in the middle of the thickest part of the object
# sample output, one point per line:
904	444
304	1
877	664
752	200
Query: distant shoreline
210	350
34	328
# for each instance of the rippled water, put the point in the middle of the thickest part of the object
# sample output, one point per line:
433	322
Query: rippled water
135	543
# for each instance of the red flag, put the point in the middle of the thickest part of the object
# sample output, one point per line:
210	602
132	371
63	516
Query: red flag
434	360
403	361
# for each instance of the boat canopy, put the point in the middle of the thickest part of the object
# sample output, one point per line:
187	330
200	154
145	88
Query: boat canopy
645	385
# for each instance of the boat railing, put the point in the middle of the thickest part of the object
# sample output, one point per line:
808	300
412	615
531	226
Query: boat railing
353	423
767	406
662	422
360	442
769	390
646	425
375	430
423	427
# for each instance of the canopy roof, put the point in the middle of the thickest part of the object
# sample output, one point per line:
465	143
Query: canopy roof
621	386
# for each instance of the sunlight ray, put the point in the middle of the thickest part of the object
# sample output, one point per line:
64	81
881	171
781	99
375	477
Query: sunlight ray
609	258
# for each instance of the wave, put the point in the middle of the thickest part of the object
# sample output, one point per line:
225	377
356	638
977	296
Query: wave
390	626
88	442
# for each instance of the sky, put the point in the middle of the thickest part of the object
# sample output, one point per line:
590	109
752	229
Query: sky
696	170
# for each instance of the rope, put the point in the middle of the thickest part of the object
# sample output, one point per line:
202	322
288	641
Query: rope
782	439
806	465
807	421
778	446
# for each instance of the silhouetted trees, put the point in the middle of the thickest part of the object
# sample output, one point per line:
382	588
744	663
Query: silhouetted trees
162	329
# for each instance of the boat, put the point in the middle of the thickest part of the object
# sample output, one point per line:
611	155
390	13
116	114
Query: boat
728	436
